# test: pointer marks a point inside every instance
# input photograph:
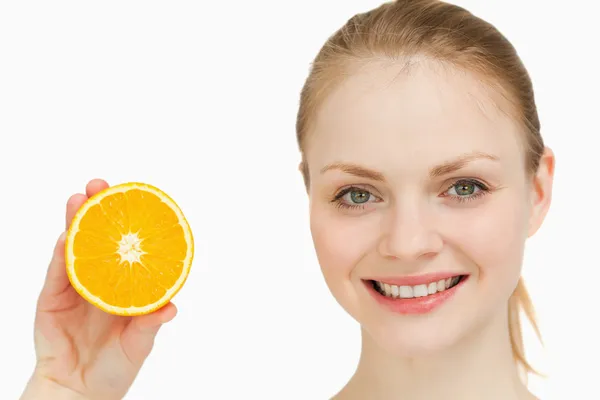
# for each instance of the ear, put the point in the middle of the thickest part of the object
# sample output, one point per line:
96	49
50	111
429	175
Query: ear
304	171
542	191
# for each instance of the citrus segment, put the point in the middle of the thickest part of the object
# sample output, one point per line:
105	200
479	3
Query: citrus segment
129	249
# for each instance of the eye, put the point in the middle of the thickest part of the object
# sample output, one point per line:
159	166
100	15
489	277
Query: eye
463	188
358	196
354	197
466	190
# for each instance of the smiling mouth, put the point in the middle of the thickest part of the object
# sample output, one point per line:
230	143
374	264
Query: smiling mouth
423	290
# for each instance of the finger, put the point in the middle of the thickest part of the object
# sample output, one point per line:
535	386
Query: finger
94	186
73	204
138	337
151	322
76	201
57	280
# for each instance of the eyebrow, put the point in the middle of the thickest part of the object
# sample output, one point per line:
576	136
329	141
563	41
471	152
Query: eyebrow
459	163
445	168
354	169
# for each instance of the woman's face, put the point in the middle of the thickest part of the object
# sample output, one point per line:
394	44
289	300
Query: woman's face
417	181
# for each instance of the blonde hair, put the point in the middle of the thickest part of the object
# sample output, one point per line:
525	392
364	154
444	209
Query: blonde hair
449	34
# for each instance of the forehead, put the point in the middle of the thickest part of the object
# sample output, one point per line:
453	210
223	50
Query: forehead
421	114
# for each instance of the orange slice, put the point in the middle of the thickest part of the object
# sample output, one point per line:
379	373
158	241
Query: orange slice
129	249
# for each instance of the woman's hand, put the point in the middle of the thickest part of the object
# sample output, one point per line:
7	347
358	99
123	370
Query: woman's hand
83	352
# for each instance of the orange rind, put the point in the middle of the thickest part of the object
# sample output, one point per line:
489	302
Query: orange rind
129	249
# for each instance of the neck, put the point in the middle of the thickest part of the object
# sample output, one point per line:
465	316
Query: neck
480	367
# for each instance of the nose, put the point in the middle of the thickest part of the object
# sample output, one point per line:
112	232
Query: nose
408	233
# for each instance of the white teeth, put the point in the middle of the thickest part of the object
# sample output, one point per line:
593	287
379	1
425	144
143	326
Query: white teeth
441	285
420	291
407	292
432	288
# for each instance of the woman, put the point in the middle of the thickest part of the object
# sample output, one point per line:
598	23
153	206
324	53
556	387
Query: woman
426	174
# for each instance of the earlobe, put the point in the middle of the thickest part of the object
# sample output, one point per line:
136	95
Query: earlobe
542	191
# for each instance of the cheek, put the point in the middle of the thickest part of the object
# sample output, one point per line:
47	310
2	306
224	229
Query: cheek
493	237
341	241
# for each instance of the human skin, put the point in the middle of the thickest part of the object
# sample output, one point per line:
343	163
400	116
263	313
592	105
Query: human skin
83	352
459	351
390	127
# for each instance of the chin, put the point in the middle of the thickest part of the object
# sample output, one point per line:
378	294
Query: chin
418	327
414	338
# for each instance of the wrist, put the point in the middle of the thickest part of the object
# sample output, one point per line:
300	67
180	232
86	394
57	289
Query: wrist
39	388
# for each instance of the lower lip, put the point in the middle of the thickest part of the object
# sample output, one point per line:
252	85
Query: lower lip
415	305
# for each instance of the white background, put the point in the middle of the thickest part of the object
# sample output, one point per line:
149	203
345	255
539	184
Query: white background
201	102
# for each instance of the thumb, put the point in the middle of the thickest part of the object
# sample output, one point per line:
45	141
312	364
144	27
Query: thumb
137	338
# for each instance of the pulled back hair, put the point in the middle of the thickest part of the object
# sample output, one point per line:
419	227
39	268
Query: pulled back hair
449	34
